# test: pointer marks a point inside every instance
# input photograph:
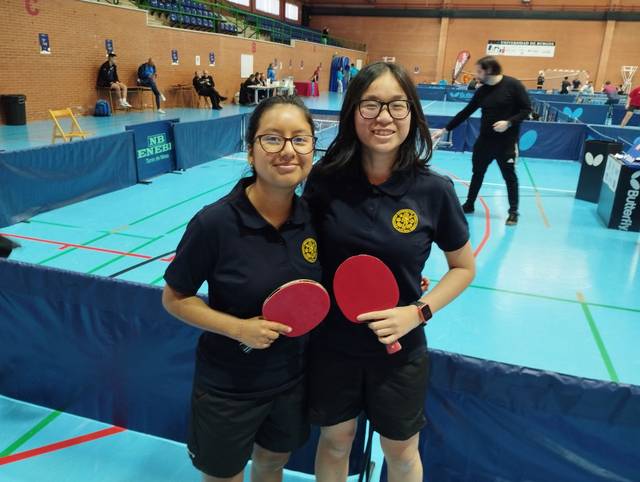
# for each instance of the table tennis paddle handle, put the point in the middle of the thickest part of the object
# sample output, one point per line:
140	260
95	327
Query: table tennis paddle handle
395	347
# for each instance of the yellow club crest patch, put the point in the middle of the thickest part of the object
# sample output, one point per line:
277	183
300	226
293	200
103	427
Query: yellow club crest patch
405	221
310	250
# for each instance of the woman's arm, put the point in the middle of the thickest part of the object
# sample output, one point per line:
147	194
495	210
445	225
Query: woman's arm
462	270
254	332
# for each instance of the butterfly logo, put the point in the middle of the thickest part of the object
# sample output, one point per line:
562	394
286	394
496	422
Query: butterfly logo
635	183
573	114
592	160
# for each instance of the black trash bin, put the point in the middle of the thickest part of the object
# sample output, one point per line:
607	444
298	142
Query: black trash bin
14	107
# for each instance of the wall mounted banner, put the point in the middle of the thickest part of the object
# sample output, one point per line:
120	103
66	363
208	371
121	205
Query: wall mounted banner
212	59
174	57
108	45
521	48
45	47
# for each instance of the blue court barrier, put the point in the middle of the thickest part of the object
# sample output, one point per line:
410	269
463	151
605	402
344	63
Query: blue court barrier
587	113
154	148
37	180
204	141
432	92
458	136
459	95
104	349
494	422
541	139
618	113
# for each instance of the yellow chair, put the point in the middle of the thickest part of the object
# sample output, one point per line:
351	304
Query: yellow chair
59	132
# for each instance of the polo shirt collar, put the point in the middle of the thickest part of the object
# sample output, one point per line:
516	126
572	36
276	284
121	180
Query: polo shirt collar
397	185
249	215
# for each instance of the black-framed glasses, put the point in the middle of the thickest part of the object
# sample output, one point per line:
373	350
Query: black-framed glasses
274	143
371	109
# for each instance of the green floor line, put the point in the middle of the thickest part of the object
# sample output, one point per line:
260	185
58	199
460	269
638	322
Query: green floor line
71	250
118	258
103	231
137	221
598	339
49	223
157	280
29	434
551	298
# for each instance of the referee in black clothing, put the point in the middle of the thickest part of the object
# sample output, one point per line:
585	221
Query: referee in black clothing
505	104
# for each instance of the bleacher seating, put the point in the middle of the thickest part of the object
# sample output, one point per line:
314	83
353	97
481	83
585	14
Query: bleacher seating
196	15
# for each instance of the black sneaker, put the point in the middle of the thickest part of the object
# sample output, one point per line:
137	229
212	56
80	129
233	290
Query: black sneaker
468	208
512	220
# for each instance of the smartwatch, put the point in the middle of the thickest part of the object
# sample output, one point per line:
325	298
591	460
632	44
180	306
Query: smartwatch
424	312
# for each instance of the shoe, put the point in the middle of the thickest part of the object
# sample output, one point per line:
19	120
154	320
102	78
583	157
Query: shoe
512	220
218	107
163	98
160	111
126	104
468	208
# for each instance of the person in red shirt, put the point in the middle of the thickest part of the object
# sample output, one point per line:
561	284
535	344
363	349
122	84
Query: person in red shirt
633	106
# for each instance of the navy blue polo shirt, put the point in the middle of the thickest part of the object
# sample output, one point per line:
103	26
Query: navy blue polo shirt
397	222
243	259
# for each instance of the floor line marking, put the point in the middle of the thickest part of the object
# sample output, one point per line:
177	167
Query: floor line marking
545	220
598	338
136	222
29	434
27	454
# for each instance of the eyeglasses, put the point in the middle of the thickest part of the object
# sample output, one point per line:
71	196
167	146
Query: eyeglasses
274	143
371	109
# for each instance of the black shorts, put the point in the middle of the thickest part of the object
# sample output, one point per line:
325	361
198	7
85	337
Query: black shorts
392	395
634	108
223	430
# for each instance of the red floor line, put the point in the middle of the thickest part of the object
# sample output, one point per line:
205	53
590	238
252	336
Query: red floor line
64	246
487	217
27	454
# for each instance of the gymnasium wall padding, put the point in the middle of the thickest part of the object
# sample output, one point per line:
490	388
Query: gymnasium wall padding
204	141
103	349
493	422
38	180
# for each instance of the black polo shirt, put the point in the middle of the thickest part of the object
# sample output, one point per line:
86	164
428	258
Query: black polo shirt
396	221
243	259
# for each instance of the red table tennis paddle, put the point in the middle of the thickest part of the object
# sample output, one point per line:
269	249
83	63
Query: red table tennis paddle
300	304
363	284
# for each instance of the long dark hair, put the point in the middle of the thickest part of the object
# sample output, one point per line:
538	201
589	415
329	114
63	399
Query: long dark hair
346	149
264	106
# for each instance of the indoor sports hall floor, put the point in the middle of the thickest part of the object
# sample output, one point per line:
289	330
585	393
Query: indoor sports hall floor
558	292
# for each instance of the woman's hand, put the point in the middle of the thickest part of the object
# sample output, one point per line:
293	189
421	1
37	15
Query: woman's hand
259	333
391	325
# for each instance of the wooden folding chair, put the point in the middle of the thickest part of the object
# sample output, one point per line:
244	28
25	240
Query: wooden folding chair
59	132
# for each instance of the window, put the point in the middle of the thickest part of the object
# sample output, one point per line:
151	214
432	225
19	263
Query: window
291	11
269	6
244	3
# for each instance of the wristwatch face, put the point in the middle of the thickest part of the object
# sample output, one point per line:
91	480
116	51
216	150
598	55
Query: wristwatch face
426	312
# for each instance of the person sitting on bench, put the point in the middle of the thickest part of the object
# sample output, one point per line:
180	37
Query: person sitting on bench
147	75
203	88
108	79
